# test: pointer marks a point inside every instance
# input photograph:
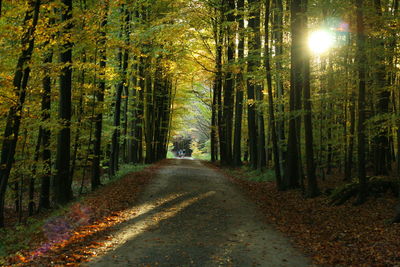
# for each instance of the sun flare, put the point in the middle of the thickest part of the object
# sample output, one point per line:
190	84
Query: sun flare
320	41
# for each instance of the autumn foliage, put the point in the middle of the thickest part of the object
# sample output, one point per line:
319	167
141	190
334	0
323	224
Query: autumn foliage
69	239
345	235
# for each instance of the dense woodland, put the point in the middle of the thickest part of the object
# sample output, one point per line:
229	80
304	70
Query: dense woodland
86	86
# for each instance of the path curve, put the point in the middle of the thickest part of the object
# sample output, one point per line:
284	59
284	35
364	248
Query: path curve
190	215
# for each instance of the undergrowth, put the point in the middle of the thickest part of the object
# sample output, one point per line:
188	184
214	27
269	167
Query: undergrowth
249	174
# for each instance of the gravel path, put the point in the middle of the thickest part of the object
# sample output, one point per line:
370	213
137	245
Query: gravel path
192	216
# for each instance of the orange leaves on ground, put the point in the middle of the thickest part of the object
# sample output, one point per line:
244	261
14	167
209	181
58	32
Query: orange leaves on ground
69	239
344	235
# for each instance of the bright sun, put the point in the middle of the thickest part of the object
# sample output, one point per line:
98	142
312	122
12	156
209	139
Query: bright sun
320	41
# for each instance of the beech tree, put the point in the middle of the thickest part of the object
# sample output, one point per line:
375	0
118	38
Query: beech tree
134	75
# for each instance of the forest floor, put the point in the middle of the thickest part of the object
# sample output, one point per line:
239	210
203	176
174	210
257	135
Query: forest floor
345	235
183	212
188	215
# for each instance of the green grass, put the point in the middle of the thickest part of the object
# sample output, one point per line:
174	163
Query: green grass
170	155
202	156
124	170
253	175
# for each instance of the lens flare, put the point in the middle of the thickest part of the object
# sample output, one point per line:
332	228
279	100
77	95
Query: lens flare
320	41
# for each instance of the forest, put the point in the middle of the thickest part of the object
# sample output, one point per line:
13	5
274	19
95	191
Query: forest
303	89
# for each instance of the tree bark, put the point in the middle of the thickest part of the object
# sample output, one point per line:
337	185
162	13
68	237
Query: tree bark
271	108
20	82
240	87
44	201
252	67
63	182
381	140
312	185
97	153
360	61
292	174
278	41
229	87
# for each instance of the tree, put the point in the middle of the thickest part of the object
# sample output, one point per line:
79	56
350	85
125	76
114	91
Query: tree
251	83
292	174
63	181
361	101
240	88
95	182
228	103
271	107
311	177
20	82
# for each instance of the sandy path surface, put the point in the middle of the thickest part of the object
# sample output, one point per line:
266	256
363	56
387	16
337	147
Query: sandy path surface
192	216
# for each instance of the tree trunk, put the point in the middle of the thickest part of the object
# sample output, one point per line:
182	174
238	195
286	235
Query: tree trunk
381	140
20	82
240	87
214	126
312	189
63	182
31	204
44	202
252	67
256	46
229	88
271	107
97	153
219	84
292	175
278	38
360	61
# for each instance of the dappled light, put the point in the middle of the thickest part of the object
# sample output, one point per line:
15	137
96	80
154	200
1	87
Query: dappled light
138	224
131	131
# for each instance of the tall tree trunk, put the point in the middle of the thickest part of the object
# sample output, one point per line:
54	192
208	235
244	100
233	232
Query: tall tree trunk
63	182
278	41
381	141
132	143
44	201
349	162
312	189
213	134
292	175
148	114
271	108
360	61
126	86
123	56
20	82
229	87
219	81
114	157
31	203
140	116
97	153
256	45
240	87
252	67
392	78
80	112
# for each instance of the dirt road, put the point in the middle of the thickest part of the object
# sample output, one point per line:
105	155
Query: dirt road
192	216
